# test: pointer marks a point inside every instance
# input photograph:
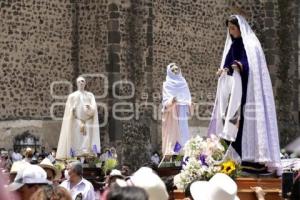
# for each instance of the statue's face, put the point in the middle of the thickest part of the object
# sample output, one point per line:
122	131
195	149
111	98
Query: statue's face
175	69
81	83
234	31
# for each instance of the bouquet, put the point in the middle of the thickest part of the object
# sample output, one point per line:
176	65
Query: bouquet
203	158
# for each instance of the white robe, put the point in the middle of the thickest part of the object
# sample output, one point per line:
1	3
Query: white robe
80	134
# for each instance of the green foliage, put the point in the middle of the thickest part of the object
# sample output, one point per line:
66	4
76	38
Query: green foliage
109	164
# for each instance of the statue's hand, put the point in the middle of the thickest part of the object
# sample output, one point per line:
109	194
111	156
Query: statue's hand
89	110
237	65
221	71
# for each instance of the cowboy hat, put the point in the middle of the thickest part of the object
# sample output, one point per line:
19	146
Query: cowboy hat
151	182
47	164
220	186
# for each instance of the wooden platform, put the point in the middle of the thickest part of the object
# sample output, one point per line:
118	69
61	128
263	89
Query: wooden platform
272	186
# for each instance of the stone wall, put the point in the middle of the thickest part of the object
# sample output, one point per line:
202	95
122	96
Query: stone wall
35	47
132	41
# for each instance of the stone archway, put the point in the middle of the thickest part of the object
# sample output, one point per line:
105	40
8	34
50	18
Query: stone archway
26	139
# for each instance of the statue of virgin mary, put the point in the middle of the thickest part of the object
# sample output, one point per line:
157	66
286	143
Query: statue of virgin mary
244	114
80	134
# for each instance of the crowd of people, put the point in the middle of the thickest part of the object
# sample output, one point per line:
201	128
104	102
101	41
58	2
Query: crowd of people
31	176
23	177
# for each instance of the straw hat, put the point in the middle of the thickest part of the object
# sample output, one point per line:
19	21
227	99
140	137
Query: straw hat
47	164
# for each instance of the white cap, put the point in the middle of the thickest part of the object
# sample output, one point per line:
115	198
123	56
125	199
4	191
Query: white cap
151	182
18	166
220	186
31	174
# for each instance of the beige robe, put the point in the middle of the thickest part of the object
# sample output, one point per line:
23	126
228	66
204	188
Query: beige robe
170	128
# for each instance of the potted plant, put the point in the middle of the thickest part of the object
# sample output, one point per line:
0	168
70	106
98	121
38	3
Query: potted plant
178	160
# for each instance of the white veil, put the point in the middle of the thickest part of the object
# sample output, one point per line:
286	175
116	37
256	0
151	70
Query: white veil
260	141
176	86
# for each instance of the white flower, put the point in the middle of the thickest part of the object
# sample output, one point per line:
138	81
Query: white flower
210	150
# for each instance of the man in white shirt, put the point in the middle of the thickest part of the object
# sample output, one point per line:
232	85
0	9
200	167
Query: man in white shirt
79	187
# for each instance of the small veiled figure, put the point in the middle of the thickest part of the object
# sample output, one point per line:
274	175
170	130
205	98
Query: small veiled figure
244	112
176	111
80	133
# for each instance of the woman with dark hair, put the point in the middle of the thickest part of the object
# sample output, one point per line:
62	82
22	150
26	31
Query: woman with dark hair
127	193
244	114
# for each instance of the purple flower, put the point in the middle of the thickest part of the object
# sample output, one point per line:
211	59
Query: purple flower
177	147
202	159
72	153
185	160
95	149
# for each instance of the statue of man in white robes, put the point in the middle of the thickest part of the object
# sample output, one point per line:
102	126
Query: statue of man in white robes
80	134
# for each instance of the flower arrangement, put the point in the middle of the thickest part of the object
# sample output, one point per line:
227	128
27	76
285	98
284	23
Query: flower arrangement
203	158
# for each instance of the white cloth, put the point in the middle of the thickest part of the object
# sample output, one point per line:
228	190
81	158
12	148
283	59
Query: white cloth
84	187
260	141
80	132
229	94
176	86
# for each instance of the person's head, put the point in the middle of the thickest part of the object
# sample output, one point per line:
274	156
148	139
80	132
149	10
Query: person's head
127	193
28	153
155	153
16	166
52	172
125	170
4	154
40	158
113	176
75	170
52	193
220	186
28	181
154	186
233	26
80	83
